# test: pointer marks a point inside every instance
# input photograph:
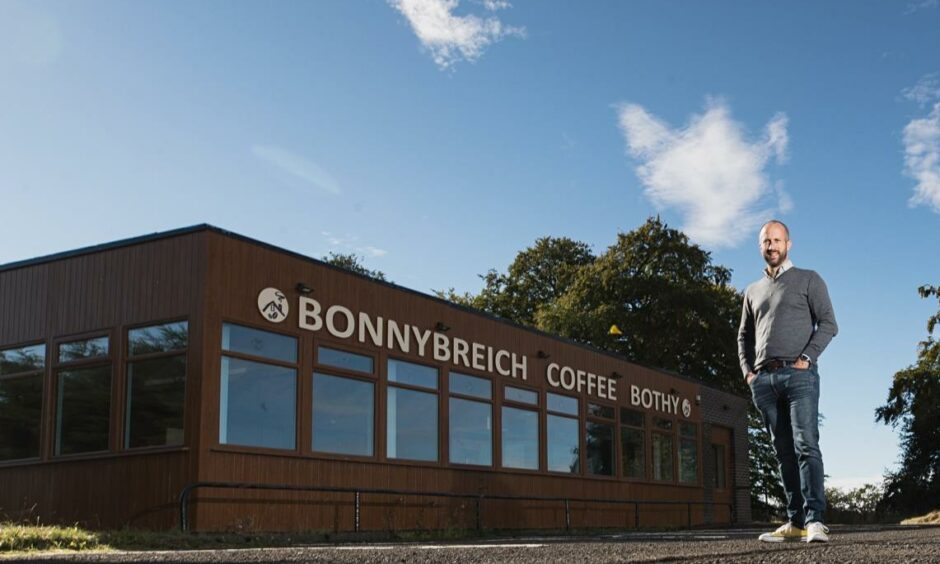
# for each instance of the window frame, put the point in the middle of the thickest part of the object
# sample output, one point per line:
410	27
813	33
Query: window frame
610	422
442	412
297	366
579	419
646	447
491	402
127	358
58	366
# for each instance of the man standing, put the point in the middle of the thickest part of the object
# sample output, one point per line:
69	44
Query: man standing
786	323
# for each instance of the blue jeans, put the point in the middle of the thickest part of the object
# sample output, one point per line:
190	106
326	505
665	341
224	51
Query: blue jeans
788	400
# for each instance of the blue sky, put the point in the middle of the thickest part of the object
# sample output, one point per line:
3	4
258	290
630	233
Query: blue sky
438	138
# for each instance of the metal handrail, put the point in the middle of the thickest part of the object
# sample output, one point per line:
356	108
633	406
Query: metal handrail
479	497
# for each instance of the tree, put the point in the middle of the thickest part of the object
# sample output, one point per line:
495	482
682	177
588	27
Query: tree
913	404
675	308
353	262
538	276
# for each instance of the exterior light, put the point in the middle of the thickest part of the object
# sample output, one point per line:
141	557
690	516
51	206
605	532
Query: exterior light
542	354
441	328
616	375
303	288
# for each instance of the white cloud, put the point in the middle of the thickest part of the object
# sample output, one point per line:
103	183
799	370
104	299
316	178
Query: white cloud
708	170
922	158
925	91
449	37
297	166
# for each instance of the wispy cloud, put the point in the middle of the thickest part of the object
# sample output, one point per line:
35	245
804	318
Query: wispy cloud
297	166
347	243
919	5
449	37
925	91
708	170
922	158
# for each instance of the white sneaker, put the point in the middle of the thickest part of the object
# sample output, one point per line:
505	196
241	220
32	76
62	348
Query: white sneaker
816	532
786	532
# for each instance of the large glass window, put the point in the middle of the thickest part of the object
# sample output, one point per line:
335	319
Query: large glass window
156	385
519	395
343	415
633	443
471	420
83	410
662	456
471	432
21	371
411	425
258	396
564	453
599	440
258	403
83	396
520	430
688	453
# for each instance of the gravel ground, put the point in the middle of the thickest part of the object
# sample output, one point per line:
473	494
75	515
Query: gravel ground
876	544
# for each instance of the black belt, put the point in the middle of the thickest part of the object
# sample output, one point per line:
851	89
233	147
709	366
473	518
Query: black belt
776	364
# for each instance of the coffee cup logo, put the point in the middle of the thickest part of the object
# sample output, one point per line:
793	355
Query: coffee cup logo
272	303
686	408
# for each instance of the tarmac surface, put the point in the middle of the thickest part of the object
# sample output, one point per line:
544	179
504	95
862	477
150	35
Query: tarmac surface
894	544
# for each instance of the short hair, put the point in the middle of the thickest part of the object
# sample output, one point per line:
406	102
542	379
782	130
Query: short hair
780	223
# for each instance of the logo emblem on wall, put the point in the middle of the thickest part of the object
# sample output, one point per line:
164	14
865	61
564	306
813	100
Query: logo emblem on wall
686	408
272	303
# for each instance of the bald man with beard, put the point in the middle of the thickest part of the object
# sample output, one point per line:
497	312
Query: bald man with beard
786	322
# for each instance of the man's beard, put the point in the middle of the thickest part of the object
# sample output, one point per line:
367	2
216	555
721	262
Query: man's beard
774	263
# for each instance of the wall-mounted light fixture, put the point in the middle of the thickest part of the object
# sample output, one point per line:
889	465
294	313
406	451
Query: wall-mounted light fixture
616	375
303	288
441	328
542	354
698	400
724	407
673	391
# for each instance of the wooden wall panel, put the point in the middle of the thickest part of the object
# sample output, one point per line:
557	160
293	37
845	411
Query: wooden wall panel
104	290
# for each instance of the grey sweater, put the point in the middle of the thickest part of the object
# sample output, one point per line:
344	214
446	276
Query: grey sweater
785	317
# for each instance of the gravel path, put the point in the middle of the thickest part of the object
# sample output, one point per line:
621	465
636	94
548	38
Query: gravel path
875	544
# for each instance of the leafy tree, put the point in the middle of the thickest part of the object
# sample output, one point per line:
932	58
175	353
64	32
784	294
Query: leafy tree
913	404
353	262
858	505
538	276
675	308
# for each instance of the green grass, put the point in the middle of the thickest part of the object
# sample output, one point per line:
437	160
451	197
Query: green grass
41	537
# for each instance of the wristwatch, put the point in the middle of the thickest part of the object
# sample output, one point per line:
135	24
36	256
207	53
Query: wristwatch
807	359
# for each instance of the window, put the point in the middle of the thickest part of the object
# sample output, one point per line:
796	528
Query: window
563	449
343	415
662	456
83	396
411	429
688	453
599	440
21	371
718	455
519	395
342	359
156	385
471	420
258	391
520	429
633	443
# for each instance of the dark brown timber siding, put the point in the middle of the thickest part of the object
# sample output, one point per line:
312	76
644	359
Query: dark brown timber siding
104	292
